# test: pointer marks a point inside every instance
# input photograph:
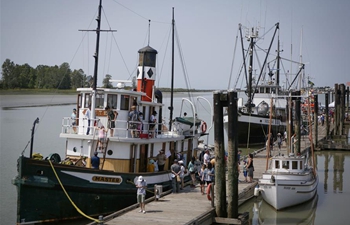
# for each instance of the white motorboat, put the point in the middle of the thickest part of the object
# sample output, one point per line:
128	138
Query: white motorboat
289	181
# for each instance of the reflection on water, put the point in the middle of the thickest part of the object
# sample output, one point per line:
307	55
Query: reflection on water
330	205
263	213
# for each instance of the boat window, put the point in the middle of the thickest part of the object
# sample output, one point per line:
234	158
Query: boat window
277	164
301	165
112	101
268	90
294	165
285	164
87	101
124	102
262	90
99	101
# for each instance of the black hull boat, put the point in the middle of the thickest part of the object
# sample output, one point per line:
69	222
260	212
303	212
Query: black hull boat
54	189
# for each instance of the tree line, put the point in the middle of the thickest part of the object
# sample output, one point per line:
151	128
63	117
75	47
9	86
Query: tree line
24	76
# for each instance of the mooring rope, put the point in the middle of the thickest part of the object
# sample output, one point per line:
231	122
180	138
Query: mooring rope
64	190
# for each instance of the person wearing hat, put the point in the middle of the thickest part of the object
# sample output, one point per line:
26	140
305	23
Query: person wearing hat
73	118
175	170
152	123
141	193
161	158
182	173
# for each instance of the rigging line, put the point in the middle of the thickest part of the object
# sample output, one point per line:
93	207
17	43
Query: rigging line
110	56
166	50
182	59
104	61
115	41
233	59
131	10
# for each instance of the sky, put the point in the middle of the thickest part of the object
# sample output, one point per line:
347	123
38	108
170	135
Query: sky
41	32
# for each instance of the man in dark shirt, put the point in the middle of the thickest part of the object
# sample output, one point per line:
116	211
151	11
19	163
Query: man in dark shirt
95	161
175	169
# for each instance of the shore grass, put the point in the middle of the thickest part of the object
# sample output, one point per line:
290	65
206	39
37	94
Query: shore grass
36	92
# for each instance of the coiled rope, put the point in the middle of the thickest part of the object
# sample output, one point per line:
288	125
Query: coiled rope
64	190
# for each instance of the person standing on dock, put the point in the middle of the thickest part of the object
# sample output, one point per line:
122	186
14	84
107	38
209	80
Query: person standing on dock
175	169
250	167
191	168
141	193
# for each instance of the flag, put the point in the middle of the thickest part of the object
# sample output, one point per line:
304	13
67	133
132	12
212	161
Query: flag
310	83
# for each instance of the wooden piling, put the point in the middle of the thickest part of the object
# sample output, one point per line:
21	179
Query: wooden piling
315	119
297	121
220	177
327	114
232	161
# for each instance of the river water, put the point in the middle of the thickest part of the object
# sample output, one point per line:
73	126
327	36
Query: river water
16	122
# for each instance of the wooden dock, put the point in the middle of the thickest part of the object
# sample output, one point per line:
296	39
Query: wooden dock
190	206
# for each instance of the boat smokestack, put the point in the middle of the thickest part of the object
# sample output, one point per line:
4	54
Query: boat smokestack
146	72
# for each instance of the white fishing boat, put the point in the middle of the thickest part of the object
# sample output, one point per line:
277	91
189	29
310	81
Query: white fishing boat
289	181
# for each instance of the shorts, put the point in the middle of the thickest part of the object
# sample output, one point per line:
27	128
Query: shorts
111	124
102	139
140	198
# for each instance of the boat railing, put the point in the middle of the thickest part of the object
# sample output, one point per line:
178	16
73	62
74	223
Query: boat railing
123	128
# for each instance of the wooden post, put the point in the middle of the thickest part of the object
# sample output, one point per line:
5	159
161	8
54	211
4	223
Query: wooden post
347	99
297	120
327	114
232	161
220	178
336	111
315	119
341	108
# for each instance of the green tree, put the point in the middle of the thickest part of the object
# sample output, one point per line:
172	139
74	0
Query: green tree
8	68
106	83
78	79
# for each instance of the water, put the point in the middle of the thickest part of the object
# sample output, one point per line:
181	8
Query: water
15	131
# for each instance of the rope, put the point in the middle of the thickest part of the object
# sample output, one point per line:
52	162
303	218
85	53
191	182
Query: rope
135	184
64	190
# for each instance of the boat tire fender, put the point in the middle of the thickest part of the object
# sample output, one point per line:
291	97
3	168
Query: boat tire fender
204	127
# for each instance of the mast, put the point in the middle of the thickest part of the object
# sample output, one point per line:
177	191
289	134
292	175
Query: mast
93	101
249	105
172	74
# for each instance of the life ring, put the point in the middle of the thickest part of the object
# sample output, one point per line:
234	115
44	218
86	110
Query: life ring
208	192
204	127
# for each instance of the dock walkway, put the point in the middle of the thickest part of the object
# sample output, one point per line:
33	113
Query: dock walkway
190	206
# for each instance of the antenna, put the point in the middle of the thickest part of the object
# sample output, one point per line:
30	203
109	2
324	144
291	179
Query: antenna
149	31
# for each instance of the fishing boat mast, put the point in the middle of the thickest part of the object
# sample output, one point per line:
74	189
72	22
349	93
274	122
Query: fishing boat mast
96	55
172	74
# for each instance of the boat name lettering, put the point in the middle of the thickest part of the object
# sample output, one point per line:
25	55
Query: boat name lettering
106	179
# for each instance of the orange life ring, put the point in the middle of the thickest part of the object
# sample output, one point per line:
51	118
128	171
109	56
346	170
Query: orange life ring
208	192
204	127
